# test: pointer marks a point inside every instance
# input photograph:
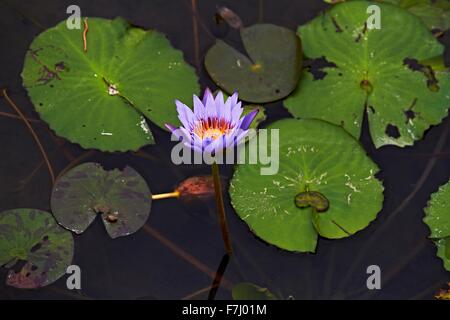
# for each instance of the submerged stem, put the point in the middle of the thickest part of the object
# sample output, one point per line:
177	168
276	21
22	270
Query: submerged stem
221	209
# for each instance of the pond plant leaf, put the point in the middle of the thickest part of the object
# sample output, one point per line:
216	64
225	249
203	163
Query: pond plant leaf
100	98
325	185
250	291
395	74
434	13
270	71
437	217
121	197
34	238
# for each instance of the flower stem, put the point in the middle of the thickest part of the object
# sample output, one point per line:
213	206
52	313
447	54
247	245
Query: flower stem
174	194
221	209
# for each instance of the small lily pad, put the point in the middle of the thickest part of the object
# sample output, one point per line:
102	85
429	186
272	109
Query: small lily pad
250	291
437	217
270	71
122	198
32	236
317	161
100	98
395	74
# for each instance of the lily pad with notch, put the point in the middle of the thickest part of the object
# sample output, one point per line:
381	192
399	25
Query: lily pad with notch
121	197
32	241
437	217
325	185
270	71
100	98
395	74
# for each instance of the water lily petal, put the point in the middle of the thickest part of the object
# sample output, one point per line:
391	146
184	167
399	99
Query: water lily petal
226	112
247	121
181	133
236	113
220	105
233	99
215	146
185	114
210	107
206	94
170	127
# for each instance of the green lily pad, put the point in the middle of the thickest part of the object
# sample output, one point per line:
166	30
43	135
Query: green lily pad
270	71
437	217
434	13
100	98
315	157
122	198
395	74
34	237
250	291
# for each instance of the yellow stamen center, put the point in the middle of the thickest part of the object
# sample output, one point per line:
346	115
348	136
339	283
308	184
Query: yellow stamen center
212	128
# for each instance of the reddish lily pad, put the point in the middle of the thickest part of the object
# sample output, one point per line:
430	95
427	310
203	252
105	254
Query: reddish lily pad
33	236
122	198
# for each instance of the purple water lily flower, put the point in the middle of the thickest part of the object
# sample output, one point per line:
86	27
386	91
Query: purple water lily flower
214	124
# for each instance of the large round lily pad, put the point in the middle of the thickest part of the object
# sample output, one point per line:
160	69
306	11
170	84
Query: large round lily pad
395	74
320	166
269	72
122	198
437	217
99	98
32	236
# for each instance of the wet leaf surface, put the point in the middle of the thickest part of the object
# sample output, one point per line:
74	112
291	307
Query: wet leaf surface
32	237
250	291
122	198
434	13
395	74
100	98
437	217
315	157
270	71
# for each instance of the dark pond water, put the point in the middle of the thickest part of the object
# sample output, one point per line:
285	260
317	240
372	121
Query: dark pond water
180	252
